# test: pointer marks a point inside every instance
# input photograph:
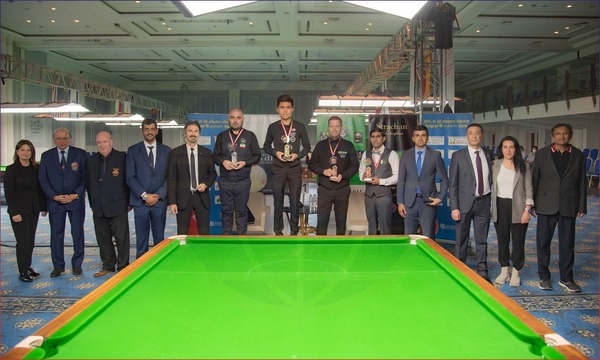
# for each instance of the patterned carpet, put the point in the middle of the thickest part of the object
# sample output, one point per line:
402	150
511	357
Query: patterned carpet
28	306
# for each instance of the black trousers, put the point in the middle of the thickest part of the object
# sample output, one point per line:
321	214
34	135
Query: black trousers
106	229
505	229
480	215
566	245
25	236
339	200
234	199
292	177
196	206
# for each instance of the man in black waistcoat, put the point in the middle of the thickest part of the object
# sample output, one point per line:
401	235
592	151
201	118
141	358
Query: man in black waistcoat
335	161
236	150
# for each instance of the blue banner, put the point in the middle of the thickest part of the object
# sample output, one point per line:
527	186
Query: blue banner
447	133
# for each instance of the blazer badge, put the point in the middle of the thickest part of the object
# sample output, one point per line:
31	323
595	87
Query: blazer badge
74	166
115	172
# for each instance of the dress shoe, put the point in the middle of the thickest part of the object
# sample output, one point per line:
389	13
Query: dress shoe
77	271
102	273
33	273
25	277
56	272
486	278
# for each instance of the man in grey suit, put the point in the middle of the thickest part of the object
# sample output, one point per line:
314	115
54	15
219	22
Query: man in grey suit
417	192
560	196
147	163
470	197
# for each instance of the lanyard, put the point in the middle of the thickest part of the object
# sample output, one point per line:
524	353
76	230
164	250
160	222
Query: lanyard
376	163
332	150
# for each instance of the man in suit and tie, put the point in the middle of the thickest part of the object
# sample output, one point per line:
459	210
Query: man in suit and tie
191	174
109	199
560	197
62	178
417	192
470	183
147	163
379	170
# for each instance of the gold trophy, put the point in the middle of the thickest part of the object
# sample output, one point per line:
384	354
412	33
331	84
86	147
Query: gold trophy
333	166
287	151
367	175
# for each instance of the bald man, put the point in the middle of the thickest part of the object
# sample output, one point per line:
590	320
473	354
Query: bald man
109	198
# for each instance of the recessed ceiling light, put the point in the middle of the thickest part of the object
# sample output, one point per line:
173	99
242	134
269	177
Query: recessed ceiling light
53	9
28	20
567	28
76	20
169	29
137	2
53	21
370	24
569	6
250	23
325	23
556	32
164	23
367	29
520	5
478	30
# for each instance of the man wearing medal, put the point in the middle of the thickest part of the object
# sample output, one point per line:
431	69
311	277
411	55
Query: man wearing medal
379	170
236	150
287	142
335	161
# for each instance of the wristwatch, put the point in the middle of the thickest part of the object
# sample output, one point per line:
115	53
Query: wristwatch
144	196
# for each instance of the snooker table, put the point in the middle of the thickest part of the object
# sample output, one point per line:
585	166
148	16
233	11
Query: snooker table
296	297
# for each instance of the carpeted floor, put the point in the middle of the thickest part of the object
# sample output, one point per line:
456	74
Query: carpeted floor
28	306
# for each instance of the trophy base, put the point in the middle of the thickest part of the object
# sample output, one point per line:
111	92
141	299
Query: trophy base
367	179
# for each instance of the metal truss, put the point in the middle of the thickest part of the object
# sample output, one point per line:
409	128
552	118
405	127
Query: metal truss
17	69
393	58
428	68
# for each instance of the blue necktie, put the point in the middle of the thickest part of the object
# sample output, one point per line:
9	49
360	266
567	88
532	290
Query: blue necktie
151	157
419	169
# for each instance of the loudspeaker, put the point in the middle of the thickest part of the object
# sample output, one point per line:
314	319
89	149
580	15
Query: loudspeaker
443	17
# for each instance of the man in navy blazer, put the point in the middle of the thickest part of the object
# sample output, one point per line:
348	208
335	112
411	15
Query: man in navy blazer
147	164
560	197
188	182
417	192
470	184
62	178
109	199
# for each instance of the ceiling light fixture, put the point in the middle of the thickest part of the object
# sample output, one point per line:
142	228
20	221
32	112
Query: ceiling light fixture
103	117
197	8
9	108
405	9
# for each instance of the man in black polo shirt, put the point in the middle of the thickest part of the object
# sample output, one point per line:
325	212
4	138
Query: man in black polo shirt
287	142
560	197
335	160
236	150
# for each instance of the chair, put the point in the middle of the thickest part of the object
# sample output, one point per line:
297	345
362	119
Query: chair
586	152
357	216
594	154
256	204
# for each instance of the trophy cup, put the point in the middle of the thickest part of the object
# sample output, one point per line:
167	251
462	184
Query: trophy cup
367	175
333	166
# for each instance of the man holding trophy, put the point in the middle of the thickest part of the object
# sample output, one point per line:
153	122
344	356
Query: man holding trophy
335	161
379	170
287	142
236	150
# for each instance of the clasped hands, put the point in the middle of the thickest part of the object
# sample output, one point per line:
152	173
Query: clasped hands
65	199
229	165
279	155
332	175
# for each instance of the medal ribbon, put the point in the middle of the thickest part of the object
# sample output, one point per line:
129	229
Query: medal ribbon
287	133
332	150
236	139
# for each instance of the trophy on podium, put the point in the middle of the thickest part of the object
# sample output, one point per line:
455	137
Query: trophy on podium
367	175
333	166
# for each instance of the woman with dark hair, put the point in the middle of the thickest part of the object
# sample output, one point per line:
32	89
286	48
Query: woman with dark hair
25	201
512	201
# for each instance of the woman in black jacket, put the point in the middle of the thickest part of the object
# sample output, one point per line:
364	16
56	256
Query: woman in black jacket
25	200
